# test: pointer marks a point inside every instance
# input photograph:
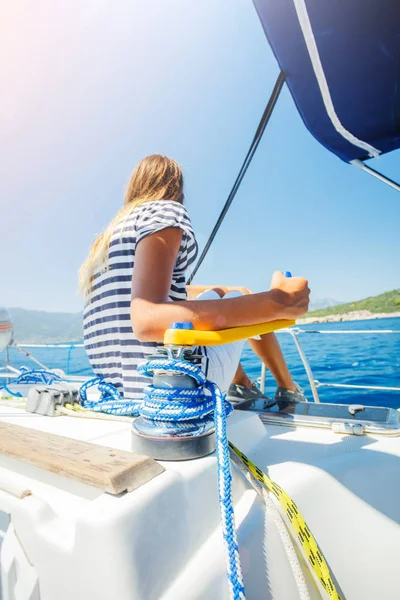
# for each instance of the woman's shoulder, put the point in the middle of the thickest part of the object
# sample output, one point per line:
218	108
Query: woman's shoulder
160	206
170	210
154	215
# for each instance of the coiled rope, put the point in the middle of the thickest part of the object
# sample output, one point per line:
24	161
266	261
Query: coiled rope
34	376
110	402
178	406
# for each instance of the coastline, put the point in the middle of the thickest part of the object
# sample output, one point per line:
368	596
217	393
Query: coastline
356	315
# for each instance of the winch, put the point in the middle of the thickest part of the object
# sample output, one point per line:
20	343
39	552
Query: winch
181	408
176	420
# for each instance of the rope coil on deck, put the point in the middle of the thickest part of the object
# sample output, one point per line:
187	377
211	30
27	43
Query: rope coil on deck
34	376
176	405
110	402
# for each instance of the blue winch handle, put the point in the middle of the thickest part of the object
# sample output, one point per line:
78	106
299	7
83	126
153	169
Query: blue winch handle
287	273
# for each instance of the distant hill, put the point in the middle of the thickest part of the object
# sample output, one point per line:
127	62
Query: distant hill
38	326
389	302
319	303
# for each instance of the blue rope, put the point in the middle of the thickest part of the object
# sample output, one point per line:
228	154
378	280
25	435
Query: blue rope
110	401
37	376
10	392
179	406
72	346
32	376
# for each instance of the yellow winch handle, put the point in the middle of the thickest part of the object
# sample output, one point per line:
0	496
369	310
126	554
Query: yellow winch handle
195	337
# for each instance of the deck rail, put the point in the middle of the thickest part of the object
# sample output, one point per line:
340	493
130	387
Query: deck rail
9	372
294	332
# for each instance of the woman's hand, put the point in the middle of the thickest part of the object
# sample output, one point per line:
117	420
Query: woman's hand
292	293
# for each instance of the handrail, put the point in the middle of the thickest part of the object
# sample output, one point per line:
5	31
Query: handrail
294	332
315	383
357	387
295	329
335	331
71	345
306	365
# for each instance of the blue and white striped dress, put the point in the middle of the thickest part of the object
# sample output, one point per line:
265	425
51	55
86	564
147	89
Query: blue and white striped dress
110	343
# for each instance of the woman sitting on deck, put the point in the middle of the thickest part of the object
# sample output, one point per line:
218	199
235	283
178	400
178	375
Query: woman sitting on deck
135	287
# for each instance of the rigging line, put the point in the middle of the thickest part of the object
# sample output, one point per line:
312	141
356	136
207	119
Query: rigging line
254	144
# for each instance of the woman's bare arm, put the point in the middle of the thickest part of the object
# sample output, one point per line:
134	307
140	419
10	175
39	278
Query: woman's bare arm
152	313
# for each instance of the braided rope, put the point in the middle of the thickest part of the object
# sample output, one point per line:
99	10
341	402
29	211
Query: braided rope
199	403
37	376
178	406
32	376
272	511
110	402
175	405
235	577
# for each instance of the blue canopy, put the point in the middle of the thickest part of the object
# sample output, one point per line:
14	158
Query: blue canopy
342	64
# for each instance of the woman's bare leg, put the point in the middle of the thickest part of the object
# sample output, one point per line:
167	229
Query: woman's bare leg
269	351
241	377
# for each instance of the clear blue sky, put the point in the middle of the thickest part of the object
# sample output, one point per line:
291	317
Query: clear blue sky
89	88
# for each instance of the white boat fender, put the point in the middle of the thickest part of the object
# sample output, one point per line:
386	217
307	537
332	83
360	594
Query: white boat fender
6	328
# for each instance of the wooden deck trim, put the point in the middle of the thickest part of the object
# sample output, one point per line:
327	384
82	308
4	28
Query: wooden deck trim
113	471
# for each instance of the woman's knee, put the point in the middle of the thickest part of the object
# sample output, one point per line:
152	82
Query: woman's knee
217	293
210	294
233	294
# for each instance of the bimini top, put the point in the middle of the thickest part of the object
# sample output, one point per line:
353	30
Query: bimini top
342	66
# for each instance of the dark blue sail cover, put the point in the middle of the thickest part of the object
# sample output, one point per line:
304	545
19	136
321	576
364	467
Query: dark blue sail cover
358	42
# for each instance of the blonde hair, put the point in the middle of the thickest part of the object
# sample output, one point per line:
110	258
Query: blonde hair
156	177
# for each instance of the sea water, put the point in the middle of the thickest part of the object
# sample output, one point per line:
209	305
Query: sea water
347	358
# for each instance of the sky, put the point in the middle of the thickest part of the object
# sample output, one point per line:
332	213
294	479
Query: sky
89	88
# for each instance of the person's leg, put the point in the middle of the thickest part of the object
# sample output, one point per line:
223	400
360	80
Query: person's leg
241	378
223	360
267	348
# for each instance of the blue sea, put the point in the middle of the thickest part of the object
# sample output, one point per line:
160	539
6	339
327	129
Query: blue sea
356	359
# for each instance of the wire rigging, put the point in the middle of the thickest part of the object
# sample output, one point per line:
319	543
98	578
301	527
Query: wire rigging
253	147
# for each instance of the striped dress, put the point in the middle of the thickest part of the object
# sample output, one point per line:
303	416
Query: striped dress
110	343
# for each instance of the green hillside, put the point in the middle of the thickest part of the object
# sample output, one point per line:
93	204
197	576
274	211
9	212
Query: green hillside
384	303
38	326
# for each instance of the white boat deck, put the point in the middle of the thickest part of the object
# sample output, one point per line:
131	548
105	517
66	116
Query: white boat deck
163	540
